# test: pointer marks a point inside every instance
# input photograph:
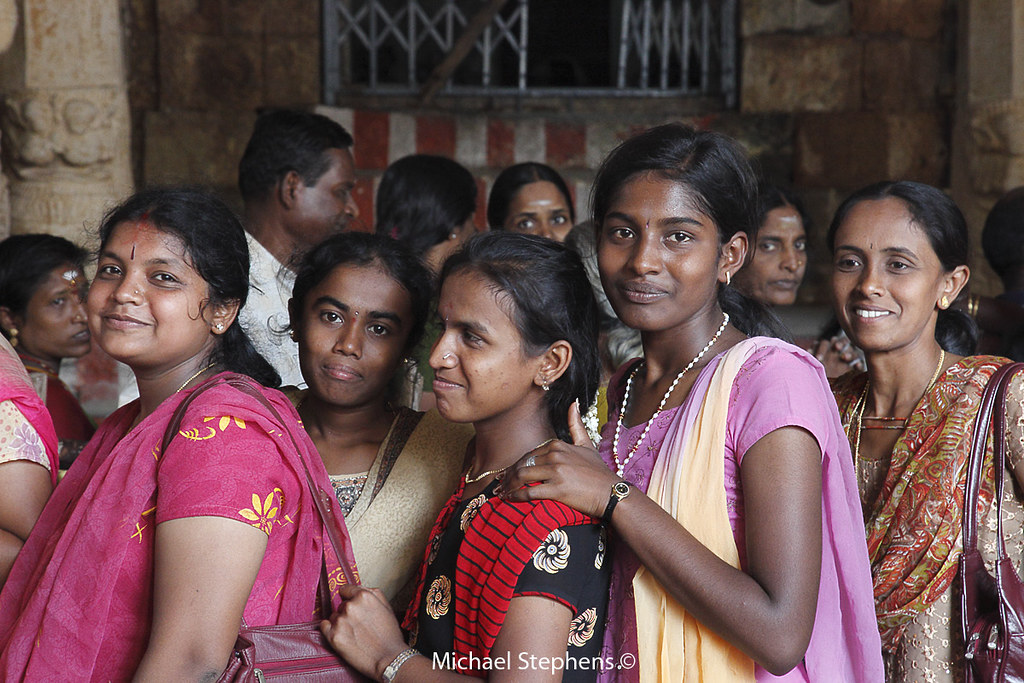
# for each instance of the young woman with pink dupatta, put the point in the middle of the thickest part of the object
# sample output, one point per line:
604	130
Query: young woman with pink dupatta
145	562
724	473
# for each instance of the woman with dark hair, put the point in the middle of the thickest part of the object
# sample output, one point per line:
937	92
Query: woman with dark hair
427	203
531	198
899	261
775	269
42	314
358	307
738	544
165	551
508	591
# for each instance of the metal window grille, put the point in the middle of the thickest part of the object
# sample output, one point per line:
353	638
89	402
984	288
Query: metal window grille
390	47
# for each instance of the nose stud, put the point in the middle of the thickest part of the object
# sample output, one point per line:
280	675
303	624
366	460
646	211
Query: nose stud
446	356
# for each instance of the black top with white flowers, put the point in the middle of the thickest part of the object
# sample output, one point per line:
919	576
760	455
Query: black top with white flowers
569	567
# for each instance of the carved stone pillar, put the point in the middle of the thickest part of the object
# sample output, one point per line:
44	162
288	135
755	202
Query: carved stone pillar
988	143
65	115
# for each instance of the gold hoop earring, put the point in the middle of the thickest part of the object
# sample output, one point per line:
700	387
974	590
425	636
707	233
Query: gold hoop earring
944	303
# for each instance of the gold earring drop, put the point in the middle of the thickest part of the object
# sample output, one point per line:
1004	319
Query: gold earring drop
944	303
14	336
728	278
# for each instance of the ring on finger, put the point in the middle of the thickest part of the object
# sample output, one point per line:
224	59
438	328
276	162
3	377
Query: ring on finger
530	462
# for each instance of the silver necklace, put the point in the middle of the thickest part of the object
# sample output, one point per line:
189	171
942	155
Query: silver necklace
620	467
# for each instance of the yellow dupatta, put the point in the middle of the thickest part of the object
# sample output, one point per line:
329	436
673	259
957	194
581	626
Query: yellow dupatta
688	481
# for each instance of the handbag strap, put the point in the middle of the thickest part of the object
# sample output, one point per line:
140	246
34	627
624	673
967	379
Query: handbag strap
323	501
992	412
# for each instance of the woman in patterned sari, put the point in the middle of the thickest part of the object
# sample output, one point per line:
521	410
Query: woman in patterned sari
117	582
358	309
507	591
899	260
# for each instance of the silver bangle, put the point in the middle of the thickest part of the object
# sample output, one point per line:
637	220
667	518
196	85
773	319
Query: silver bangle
392	669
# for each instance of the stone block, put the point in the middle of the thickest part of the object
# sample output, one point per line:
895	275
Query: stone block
845	150
799	73
292	17
854	149
211	72
189	16
292	72
760	17
901	75
921	19
918	147
244	17
195	147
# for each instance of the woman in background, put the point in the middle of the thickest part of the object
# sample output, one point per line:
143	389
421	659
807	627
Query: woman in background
28	457
532	199
42	313
775	269
427	203
899	261
358	307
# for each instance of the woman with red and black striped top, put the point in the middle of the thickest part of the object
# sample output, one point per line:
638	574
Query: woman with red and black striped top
507	591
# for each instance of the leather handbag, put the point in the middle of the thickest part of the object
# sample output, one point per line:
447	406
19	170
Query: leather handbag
294	652
992	608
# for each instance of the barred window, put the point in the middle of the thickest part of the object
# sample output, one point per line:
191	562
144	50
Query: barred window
646	48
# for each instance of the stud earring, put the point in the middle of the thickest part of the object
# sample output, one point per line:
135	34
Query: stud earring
291	333
14	336
544	385
219	326
944	303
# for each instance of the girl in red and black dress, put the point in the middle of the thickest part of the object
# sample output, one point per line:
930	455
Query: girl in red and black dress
42	291
508	591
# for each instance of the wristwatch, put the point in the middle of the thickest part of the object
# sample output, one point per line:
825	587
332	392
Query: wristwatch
620	490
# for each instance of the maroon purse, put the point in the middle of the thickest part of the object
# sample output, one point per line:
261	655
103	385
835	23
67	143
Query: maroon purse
992	608
288	651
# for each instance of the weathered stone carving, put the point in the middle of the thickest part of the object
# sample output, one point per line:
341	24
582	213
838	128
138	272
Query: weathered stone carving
997	135
73	134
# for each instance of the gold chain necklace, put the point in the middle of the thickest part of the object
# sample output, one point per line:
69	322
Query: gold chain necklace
473	480
185	384
862	401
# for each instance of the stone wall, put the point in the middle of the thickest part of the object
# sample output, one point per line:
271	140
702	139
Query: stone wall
868	85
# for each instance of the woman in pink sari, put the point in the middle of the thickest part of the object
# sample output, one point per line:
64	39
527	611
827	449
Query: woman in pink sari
117	582
726	480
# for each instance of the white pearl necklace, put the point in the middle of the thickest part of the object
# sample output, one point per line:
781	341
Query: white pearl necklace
620	467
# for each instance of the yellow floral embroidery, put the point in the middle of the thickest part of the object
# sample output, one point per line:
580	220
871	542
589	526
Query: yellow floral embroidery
581	629
553	554
195	435
262	513
439	597
225	421
470	512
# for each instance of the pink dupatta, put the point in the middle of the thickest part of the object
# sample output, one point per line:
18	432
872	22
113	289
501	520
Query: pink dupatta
15	386
78	602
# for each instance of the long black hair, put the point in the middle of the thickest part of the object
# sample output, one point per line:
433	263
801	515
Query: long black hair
25	263
215	242
551	300
722	185
421	198
942	222
364	249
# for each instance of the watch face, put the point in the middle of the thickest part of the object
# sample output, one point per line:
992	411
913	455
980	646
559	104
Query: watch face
620	489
